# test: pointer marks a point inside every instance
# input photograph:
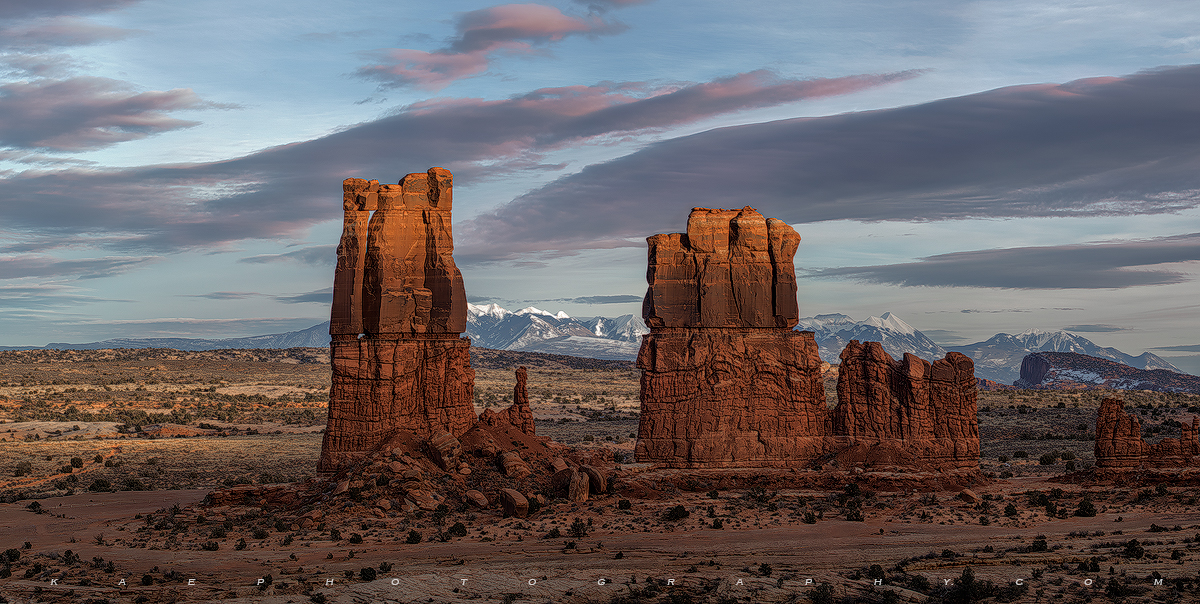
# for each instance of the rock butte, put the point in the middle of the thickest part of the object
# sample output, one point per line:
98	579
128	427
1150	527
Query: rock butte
727	382
1119	443
399	308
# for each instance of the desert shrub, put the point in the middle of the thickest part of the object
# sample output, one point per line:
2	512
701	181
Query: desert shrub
624	504
1020	455
133	484
355	538
413	537
147	580
367	573
1003	459
823	594
809	518
1048	459
1086	508
218	532
1039	545
764	570
1010	510
458	530
260	533
1067	456
12	554
578	529
76	462
676	513
335	535
1133	549
100	484
66	470
553	534
22	469
288	540
240	545
718	524
98	458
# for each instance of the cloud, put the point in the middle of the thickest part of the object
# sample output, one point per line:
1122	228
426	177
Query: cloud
316	255
601	6
1079	266
15	267
1183	348
1096	328
59	31
618	299
85	113
943	336
320	296
480	35
20	9
225	295
43	296
1098	146
279	191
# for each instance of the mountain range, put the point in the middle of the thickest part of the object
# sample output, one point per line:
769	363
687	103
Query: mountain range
618	338
1074	371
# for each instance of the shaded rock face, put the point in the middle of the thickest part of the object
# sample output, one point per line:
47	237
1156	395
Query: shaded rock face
925	410
517	414
399	306
726	382
1120	446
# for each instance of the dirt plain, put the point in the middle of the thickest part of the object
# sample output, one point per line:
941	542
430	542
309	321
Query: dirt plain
107	455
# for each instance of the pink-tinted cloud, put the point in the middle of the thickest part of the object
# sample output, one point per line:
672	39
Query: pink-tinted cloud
57	32
481	34
19	9
84	113
600	6
278	192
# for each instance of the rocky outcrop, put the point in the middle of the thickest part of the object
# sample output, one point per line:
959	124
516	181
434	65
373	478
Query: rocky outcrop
1120	446
399	307
923	413
518	414
726	382
1073	371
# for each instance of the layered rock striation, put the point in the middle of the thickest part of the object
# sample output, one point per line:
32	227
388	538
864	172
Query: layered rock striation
1120	446
906	412
727	382
399	307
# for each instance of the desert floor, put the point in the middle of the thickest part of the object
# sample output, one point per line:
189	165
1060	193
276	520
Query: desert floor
117	476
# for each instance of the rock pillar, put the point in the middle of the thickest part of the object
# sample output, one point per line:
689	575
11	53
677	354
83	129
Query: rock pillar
399	308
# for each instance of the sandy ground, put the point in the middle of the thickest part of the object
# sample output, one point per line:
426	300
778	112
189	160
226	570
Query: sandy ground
614	561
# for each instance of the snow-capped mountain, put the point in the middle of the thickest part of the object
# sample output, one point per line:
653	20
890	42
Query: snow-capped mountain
532	329
999	357
834	331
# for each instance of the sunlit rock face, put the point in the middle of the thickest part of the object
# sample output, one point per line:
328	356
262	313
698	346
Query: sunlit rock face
726	382
399	307
1120	446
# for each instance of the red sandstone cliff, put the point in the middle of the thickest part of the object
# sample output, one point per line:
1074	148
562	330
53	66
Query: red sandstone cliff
399	306
1119	442
919	412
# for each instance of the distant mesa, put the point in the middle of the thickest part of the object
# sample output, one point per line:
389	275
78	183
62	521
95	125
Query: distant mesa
1072	371
727	382
1120	446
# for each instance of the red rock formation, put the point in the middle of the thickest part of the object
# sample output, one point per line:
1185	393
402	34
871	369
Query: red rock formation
399	306
924	412
518	414
1120	446
725	381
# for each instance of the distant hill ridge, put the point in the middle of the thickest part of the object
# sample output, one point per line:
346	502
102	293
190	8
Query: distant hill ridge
1073	371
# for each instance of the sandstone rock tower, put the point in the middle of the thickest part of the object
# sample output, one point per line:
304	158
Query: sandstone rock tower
726	382
399	363
1120	446
906	413
518	414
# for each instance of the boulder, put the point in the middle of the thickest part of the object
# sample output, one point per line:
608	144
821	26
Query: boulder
476	498
514	467
597	481
514	503
444	450
558	464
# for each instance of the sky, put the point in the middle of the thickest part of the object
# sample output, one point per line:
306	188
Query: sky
173	169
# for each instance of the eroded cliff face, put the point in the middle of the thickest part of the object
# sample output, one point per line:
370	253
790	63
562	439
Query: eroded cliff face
726	382
906	413
1120	446
399	308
